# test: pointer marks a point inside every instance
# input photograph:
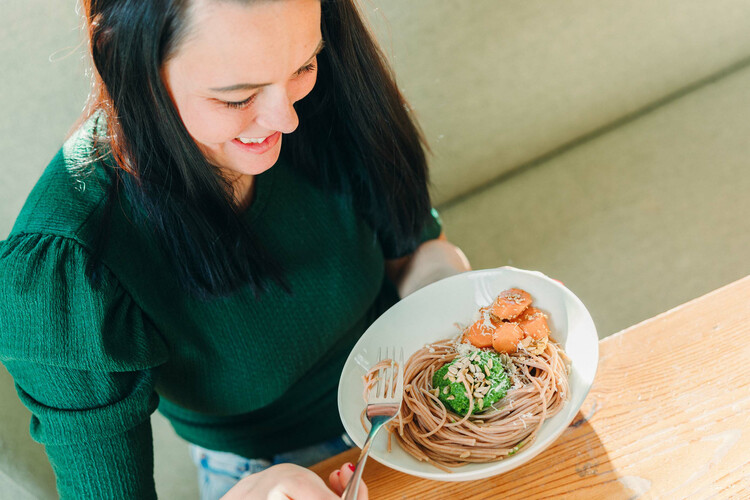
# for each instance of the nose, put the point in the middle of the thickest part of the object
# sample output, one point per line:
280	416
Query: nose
276	111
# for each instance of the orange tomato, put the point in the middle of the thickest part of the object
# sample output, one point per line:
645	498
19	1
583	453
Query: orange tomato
480	333
506	337
534	323
510	304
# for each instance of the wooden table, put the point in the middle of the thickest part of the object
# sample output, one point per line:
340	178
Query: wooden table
668	417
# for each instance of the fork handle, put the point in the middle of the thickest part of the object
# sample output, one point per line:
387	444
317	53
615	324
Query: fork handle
350	493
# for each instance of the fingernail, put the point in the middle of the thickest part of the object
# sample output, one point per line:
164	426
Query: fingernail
338	472
351	467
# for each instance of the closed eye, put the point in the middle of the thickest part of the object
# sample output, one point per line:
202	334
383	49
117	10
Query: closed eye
306	69
239	104
309	68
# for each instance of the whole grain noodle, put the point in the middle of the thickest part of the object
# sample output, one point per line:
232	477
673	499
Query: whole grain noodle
430	432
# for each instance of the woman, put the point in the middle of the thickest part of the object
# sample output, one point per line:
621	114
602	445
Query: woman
173	254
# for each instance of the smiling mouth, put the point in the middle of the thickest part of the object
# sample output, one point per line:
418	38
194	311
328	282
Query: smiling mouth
250	140
257	145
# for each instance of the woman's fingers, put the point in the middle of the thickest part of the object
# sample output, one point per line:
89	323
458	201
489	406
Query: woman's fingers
335	482
339	478
282	482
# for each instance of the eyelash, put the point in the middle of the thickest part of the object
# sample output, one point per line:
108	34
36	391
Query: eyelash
242	104
306	69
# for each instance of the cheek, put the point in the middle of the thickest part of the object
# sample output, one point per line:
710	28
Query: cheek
300	88
209	124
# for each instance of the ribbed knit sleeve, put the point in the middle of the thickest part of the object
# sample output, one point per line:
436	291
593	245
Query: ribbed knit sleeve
84	359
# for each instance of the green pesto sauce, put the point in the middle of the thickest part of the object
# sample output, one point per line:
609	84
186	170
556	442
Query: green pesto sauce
498	379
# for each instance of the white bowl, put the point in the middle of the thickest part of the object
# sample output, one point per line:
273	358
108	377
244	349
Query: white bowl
429	315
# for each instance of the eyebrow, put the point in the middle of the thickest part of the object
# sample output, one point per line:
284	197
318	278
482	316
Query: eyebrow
251	86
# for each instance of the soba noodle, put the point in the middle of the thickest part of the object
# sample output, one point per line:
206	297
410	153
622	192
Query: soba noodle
430	432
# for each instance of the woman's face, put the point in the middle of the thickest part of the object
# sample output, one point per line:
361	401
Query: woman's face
237	74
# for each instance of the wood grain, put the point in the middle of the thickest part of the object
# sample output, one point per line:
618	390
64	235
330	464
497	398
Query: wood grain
668	417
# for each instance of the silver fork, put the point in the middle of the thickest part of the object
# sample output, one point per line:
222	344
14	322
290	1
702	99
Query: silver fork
383	404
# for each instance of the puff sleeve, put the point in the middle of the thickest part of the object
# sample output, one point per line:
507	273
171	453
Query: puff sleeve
84	360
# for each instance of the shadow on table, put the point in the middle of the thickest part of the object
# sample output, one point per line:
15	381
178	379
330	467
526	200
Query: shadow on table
576	466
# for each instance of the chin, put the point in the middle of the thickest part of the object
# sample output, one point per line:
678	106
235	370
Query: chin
257	165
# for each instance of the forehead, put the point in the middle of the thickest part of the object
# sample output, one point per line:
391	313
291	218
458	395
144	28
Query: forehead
231	42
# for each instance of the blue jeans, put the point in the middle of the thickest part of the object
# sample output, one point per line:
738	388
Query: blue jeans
219	471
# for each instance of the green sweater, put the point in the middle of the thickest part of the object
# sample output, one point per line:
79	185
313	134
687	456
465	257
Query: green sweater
249	376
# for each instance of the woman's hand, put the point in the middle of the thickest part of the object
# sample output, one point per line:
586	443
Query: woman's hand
292	482
339	478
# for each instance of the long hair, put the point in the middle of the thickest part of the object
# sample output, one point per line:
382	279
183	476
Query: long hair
356	137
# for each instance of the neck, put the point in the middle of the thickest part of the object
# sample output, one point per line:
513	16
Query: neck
244	188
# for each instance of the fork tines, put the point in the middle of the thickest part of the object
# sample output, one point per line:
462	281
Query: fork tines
390	379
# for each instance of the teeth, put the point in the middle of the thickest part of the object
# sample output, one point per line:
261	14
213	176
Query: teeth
250	141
